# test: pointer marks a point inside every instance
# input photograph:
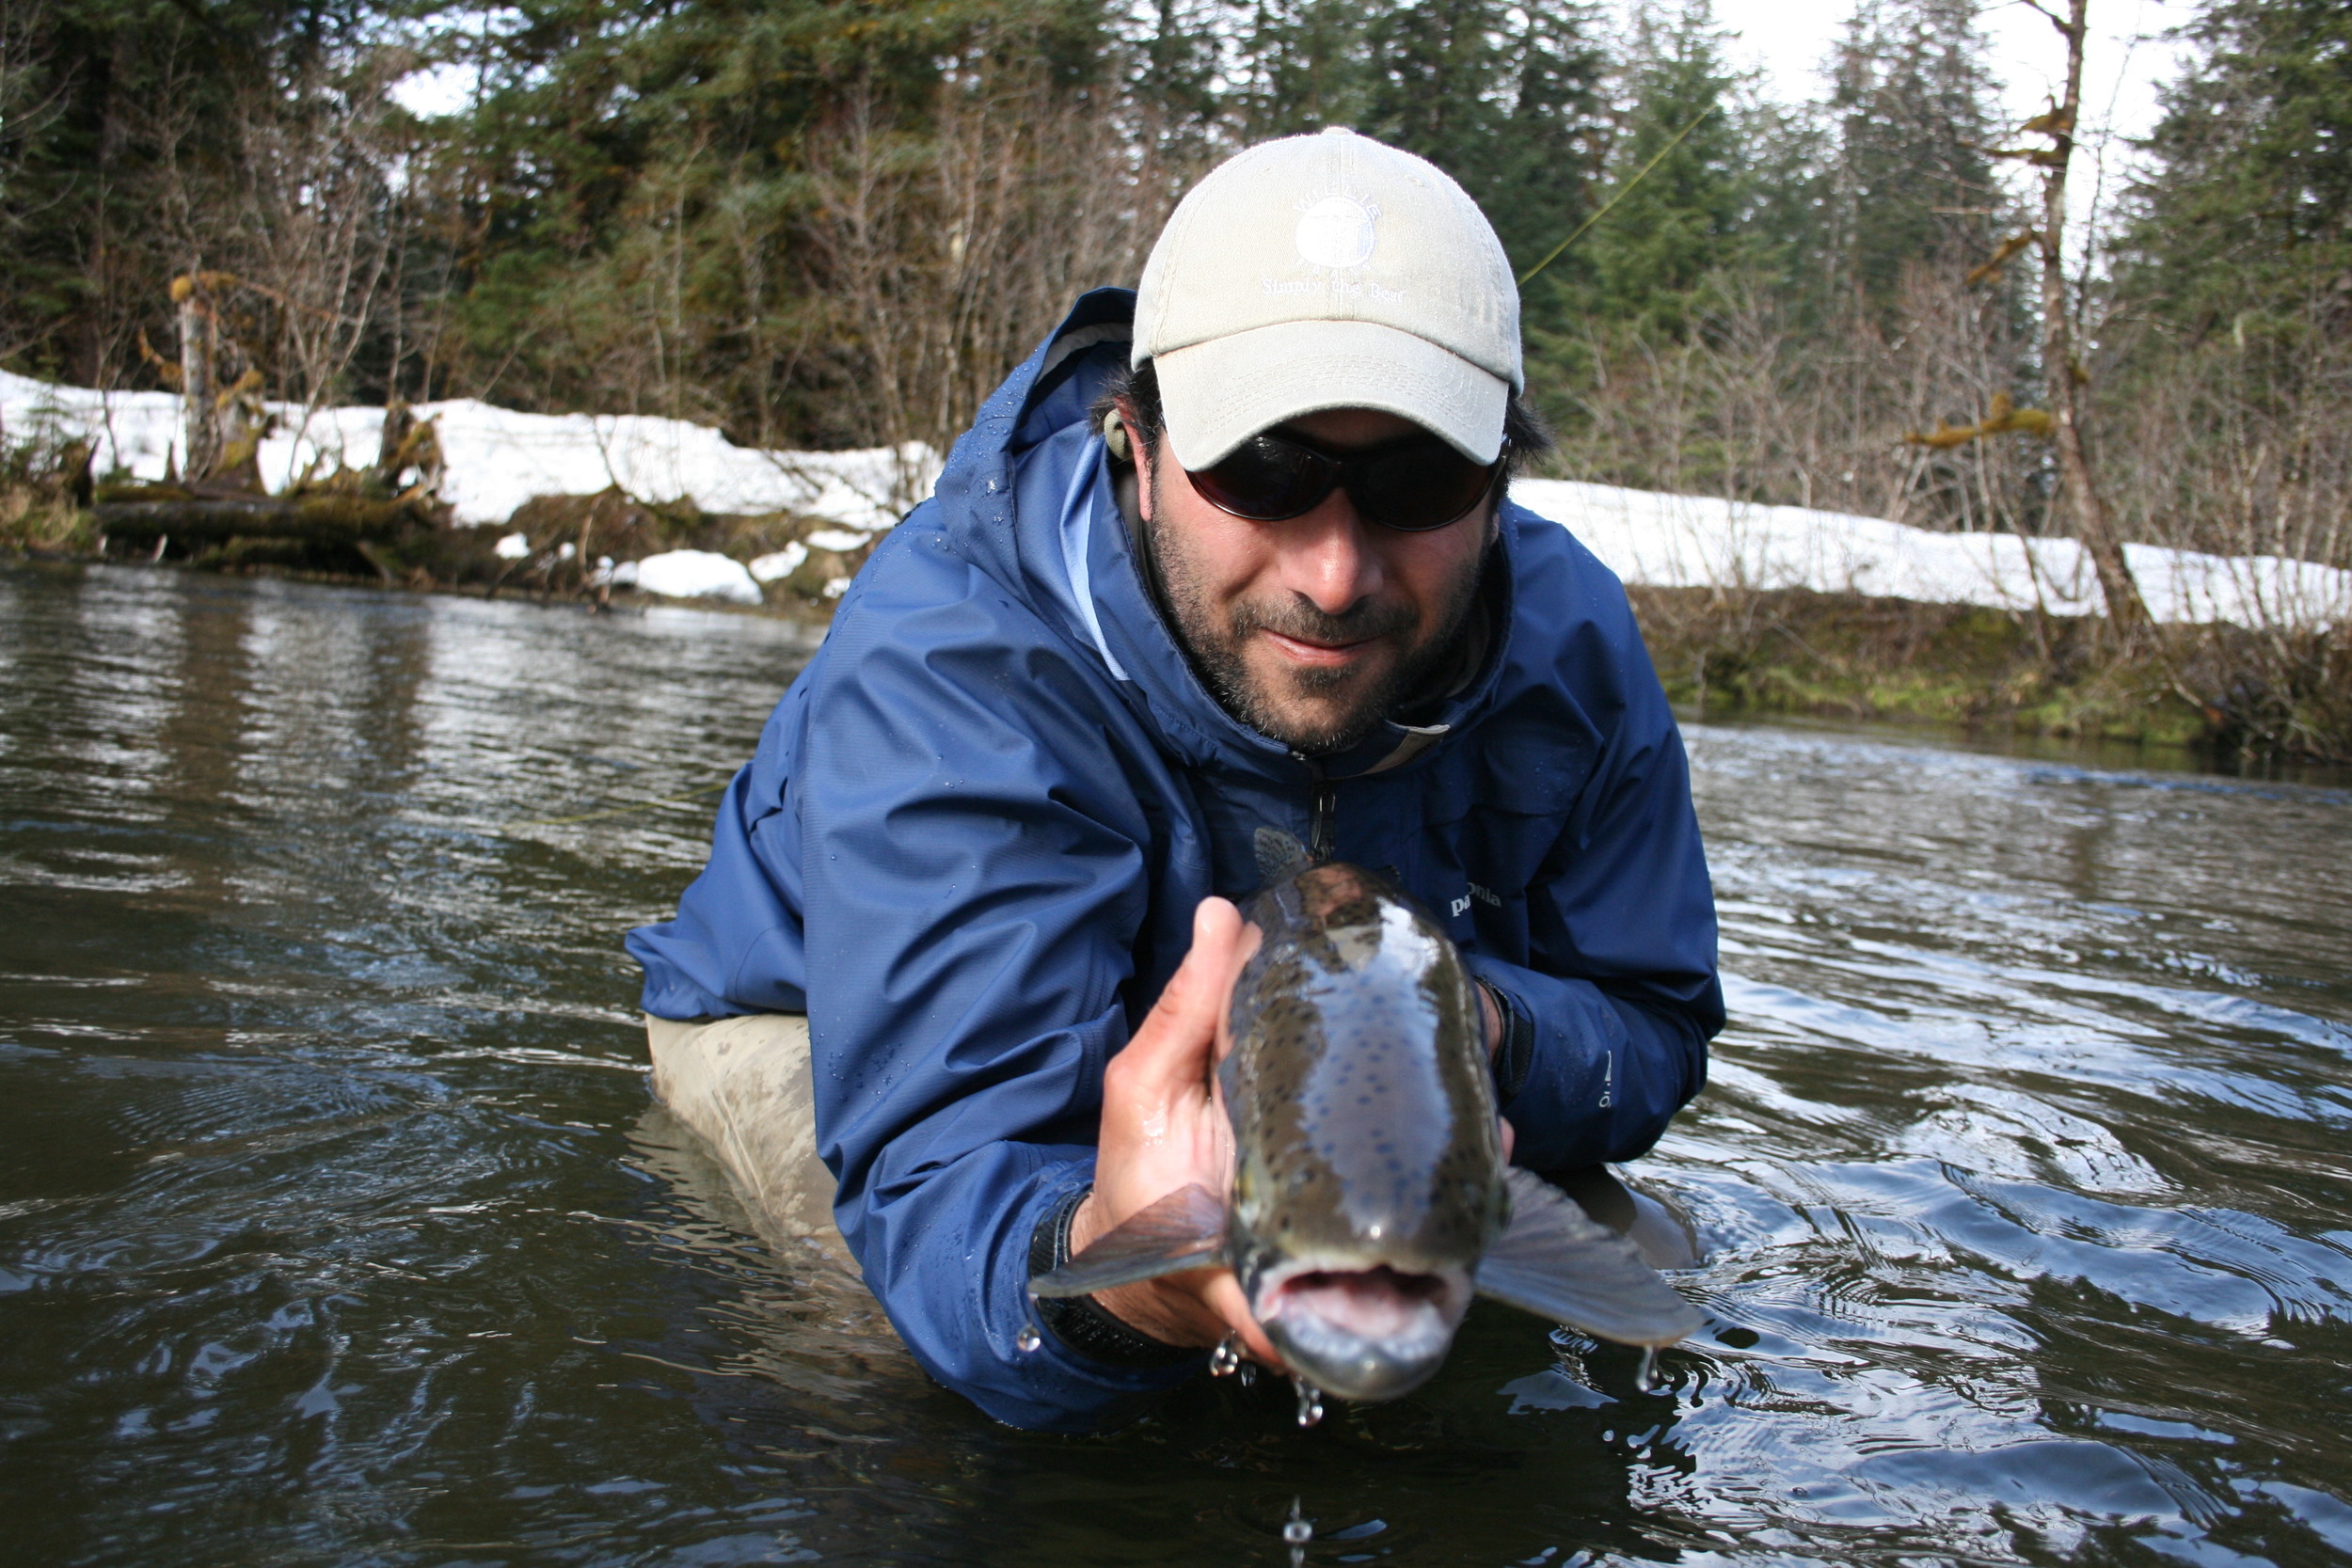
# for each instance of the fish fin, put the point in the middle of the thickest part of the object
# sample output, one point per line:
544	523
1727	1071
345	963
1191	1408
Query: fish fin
1184	1230
1558	1264
1281	857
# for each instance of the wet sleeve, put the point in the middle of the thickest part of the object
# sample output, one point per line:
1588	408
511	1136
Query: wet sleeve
735	947
1621	995
973	876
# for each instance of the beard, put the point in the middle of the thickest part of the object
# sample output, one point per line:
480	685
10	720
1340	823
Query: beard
1326	710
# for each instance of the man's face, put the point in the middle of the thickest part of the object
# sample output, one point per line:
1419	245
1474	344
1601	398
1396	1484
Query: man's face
1312	629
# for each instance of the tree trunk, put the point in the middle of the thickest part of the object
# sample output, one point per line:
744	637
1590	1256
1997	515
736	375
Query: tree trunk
199	339
2126	610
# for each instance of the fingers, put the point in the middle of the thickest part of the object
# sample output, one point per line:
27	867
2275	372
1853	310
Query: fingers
1245	947
1509	1137
1172	1046
1223	1296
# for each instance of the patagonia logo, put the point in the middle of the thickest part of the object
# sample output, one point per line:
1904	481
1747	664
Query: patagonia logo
1461	906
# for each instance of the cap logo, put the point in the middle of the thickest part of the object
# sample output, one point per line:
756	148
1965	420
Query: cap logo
1336	231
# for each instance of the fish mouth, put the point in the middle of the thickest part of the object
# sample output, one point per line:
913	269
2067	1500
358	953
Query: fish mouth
1361	1333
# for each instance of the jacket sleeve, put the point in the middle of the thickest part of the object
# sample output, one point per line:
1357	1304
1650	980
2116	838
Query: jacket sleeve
735	947
1622	995
973	874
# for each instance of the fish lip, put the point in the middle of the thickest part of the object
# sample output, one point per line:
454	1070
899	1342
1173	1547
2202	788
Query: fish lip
1417	1312
1272	1280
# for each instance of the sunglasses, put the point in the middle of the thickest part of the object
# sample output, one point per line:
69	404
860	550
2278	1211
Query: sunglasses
1413	485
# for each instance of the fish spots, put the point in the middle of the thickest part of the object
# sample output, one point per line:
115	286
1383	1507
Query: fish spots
1358	1083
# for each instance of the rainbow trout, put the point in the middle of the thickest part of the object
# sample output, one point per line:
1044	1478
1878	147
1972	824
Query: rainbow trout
1369	1199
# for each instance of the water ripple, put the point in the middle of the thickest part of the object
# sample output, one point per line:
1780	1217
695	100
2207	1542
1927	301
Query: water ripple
335	1224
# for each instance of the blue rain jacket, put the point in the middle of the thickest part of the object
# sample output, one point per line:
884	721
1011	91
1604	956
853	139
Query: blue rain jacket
971	840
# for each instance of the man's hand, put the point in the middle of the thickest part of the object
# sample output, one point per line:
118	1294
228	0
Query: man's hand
1163	1129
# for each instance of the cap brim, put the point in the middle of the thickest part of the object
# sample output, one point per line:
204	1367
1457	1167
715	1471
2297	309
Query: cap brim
1217	395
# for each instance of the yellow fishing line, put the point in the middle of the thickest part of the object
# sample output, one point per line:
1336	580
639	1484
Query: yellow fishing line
1623	191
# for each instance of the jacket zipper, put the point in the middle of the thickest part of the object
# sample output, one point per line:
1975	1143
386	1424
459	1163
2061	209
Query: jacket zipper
1322	810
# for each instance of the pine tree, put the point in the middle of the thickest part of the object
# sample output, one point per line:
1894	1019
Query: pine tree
2245	225
1911	182
1676	174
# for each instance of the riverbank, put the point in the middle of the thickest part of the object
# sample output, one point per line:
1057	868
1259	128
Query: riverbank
1824	613
1719	653
566	549
2232	694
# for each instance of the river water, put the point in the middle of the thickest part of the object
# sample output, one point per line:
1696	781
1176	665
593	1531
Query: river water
336	1226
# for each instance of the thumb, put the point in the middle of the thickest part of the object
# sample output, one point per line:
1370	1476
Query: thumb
1174	1041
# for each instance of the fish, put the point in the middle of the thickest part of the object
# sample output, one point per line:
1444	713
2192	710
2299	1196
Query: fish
1369	1199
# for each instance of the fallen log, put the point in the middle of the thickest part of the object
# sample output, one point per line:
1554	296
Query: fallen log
338	522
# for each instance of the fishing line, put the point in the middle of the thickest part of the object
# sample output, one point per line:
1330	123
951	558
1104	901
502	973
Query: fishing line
1623	191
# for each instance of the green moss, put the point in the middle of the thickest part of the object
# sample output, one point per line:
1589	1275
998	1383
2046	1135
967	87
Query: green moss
37	524
1842	656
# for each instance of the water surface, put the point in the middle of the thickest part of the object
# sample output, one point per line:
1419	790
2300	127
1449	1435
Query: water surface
336	1226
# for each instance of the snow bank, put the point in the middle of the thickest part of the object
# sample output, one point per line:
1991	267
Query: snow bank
783	563
497	459
696	575
1696	542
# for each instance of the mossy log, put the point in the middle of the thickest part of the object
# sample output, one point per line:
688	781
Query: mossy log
189	518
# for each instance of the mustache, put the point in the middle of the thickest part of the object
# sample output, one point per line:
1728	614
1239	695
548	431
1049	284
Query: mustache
1299	617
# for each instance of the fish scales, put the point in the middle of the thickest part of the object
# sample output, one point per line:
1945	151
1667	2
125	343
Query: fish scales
1357	1082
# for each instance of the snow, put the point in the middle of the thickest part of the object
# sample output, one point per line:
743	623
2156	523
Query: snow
1691	541
514	547
497	458
696	575
783	563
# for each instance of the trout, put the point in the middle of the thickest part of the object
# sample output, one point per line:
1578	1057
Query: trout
1369	1199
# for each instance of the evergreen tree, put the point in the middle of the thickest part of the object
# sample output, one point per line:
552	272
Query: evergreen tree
1305	64
1910	181
1676	175
1507	98
123	126
2245	225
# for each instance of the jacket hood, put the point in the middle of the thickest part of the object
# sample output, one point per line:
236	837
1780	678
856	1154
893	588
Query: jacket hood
1027	497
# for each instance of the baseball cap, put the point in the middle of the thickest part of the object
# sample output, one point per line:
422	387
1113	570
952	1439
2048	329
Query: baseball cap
1329	271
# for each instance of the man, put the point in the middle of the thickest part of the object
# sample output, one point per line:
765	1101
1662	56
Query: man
1230	553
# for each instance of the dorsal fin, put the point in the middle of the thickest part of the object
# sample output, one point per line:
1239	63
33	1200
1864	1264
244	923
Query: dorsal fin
1281	857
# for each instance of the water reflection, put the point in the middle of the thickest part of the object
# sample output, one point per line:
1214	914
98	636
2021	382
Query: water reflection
335	1225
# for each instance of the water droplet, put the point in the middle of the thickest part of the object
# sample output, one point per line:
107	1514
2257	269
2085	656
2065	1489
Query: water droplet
1028	1339
1225	1361
1310	1402
1248	1374
1297	1532
1645	1375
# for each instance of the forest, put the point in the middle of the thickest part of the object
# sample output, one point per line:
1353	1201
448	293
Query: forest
836	222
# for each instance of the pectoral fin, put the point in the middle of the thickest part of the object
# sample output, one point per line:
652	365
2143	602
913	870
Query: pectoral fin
1557	1263
1184	1230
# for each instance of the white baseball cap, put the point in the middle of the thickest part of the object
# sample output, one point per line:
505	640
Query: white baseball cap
1329	271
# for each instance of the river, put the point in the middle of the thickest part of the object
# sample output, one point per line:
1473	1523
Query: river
336	1224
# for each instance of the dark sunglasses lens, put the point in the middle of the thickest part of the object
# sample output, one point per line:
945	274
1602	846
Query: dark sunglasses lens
1425	486
1265	480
